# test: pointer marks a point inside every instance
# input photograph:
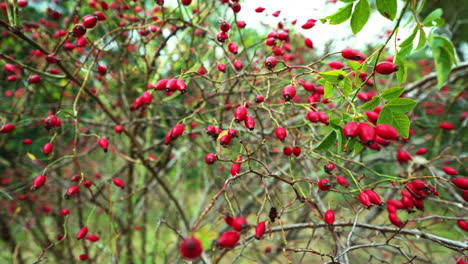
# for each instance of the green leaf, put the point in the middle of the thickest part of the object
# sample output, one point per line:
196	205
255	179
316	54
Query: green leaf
329	89
341	140
422	39
444	54
387	8
354	65
401	123
372	104
409	40
347	86
350	145
434	15
357	148
340	16
357	81
327	142
401	105
360	16
385	116
392	93
405	51
333	76
402	70
322	81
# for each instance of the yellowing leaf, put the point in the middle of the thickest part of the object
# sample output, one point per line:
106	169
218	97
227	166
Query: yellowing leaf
31	156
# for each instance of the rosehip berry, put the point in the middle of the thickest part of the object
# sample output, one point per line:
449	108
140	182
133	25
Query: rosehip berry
239	224
83	257
249	123
38	182
260	230
87	183
259	99
35	78
118	129
228	239
102	70
342	181
329	167
270	62
350	54
27	142
238	65
421	151
233	48
395	220
296	151
280	133
236	7
308	86
289	92
336	64
210	158
240	114
396	203
447	126
221	67
308	43
90	21
186	2
241	24
366	133
313	116
323	118
373	196
190	248
78	30
324	184
71	191
221	37
403	156
118	182
224	26
450	171
64	212
386	131
104	144
235	167
92	238
386	68
287	151
177	131
329	217
351	130
461	183
364	199
82	233
47	148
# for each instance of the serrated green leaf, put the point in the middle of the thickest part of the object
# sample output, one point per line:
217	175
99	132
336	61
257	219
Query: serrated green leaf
350	145
401	105
444	54
409	40
422	39
322	81
340	16
327	142
434	15
385	116
354	65
372	104
387	8
392	93
328	90
357	148
447	45
333	76
360	16
402	70
401	123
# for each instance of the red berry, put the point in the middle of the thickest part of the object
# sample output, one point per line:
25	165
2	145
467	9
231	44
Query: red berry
118	129
329	217
210	158
79	30
394	219
7	128
90	21
92	238
186	2
228	239
366	133
104	144
260	230
240	114
461	183
239	224
64	212
83	257
118	182
342	181
403	156
350	54
82	233
233	48
373	196
396	203
270	62
27	141
324	184
35	78
463	224
238	65
386	68
38	181
447	126
236	7
221	67
71	191
289	92
190	248
364	199
259	99
386	131
296	151
450	171
47	148
102	70
308	43
87	183
235	167
280	133
224	26
421	151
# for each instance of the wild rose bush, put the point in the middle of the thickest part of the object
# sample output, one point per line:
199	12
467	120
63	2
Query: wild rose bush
153	132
